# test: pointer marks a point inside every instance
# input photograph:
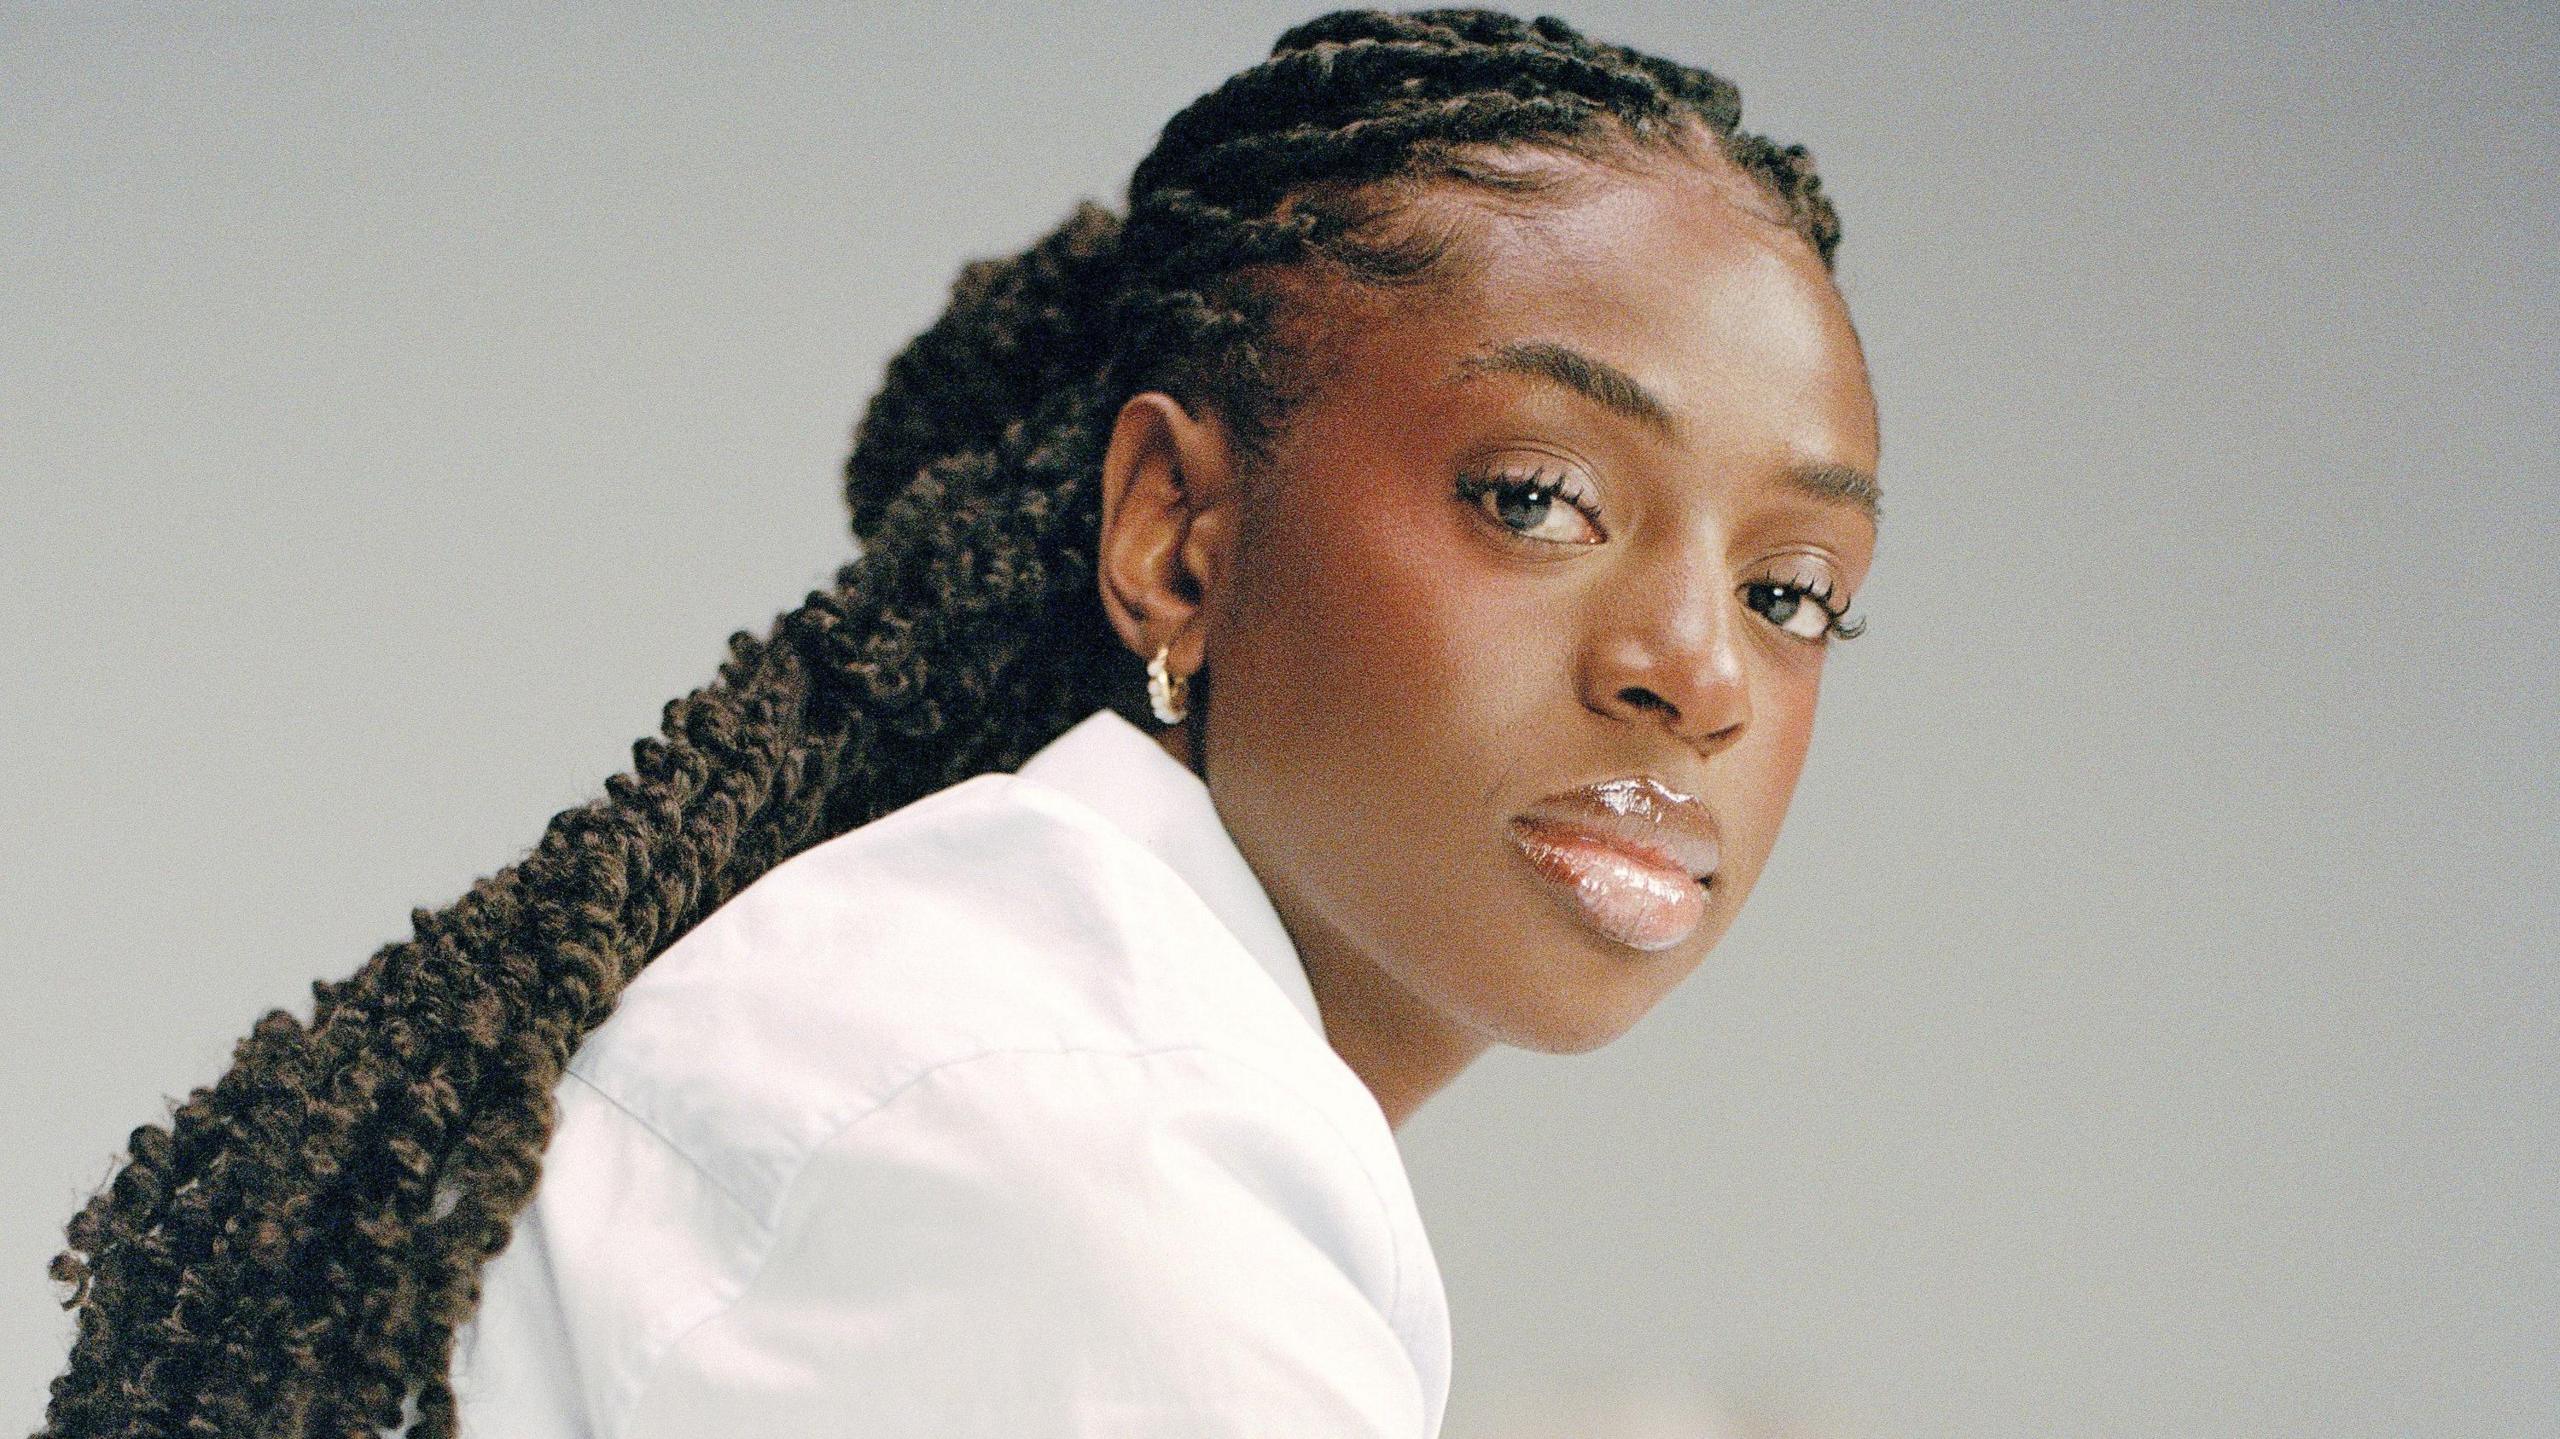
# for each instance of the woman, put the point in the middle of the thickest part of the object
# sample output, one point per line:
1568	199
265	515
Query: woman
1364	605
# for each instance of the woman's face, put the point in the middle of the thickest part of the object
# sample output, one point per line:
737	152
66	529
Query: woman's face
1520	633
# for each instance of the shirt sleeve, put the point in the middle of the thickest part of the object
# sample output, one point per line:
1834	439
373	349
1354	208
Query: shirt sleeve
1034	1244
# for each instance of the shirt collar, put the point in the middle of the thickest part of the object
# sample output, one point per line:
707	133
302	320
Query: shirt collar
1114	769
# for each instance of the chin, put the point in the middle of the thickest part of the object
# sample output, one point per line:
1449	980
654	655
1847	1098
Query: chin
1574	1033
1558	1019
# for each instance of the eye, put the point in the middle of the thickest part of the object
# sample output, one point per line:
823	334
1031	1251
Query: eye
1802	608
1536	506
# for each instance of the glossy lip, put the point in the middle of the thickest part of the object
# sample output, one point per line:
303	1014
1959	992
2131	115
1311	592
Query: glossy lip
1645	819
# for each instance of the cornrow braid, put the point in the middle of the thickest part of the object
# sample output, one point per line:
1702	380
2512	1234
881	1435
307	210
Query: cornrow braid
292	1253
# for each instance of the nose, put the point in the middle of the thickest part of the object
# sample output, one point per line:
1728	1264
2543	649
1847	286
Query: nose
1670	653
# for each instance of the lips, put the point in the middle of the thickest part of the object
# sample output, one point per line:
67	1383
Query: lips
1631	858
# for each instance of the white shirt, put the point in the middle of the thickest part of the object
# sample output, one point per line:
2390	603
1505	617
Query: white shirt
1010	1113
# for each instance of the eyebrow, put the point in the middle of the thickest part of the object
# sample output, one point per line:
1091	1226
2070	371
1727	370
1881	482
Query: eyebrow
1622	393
1595	379
1839	484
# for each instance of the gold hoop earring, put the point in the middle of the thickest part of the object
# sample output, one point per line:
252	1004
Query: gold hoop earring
1168	694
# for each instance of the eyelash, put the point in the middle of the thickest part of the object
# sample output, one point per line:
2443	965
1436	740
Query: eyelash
1820	593
1475	485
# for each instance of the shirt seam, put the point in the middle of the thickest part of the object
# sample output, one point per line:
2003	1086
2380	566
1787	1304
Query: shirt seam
619	1424
668	1142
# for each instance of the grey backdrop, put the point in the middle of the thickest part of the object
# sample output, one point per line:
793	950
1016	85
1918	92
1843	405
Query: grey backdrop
2147	1026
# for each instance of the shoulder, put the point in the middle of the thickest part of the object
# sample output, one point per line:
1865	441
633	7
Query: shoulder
996	915
1022	1241
982	1047
1077	1175
1027	1241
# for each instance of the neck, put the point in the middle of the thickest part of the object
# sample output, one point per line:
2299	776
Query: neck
1403	1050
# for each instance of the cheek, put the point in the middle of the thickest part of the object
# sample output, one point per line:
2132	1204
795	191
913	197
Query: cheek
1378	690
1389	636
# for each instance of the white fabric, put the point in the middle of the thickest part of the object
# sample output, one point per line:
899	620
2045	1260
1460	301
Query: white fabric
1010	1113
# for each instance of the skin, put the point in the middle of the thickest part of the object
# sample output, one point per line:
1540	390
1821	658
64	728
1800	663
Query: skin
1388	672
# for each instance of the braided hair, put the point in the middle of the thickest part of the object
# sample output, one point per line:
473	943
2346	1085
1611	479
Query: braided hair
290	1255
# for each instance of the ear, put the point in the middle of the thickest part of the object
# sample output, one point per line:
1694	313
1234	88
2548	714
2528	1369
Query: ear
1169	516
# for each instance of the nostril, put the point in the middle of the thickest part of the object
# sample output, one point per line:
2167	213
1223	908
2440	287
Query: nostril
1646	699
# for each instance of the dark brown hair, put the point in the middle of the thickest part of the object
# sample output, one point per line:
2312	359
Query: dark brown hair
291	1253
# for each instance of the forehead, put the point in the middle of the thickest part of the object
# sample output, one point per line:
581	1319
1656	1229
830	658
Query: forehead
1683	275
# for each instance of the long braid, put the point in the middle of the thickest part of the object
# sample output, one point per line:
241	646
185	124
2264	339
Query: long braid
292	1253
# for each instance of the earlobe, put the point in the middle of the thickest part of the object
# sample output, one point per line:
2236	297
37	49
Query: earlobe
1167	490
